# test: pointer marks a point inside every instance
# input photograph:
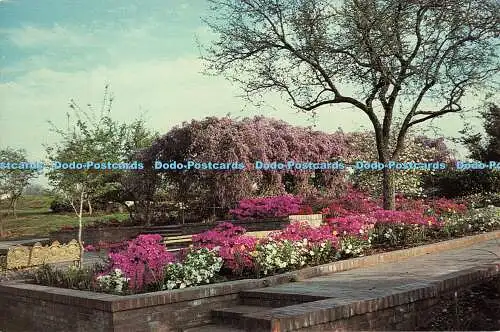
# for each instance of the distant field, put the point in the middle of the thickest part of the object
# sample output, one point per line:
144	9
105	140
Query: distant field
34	218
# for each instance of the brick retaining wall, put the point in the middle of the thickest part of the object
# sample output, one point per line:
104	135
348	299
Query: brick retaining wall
28	307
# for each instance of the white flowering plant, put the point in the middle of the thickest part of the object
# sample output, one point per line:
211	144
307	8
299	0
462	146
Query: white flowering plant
353	246
476	220
322	253
200	266
114	282
281	256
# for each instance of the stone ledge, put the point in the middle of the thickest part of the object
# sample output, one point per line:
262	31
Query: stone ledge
310	314
391	256
115	303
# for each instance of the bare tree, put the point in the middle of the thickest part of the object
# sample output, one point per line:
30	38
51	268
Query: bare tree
387	53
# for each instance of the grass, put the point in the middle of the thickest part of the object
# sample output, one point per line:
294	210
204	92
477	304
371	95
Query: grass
34	218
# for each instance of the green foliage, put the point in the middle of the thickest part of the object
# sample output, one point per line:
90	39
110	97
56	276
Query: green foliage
485	147
72	277
477	220
14	181
60	205
95	136
453	183
483	199
398	234
407	182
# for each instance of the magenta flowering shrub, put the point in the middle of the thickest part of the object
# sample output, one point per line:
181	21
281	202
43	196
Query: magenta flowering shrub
354	202
233	246
403	217
299	231
142	261
267	207
352	225
443	207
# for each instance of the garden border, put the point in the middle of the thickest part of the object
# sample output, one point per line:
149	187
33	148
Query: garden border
51	307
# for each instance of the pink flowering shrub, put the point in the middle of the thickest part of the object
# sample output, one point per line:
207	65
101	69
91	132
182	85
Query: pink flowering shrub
305	210
267	207
355	225
403	217
354	202
302	230
233	246
143	260
443	207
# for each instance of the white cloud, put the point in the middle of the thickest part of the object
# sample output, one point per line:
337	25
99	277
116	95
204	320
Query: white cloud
32	36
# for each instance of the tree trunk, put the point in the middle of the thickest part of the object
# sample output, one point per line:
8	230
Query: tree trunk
14	212
2	234
388	189
80	226
90	207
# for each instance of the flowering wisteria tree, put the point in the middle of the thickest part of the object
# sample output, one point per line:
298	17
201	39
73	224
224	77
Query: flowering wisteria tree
400	62
246	141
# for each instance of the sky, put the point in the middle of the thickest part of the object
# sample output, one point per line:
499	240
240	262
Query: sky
53	51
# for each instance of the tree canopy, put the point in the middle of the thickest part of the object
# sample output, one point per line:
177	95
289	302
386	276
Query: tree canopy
400	62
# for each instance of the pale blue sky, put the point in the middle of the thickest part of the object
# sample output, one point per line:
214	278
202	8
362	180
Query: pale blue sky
55	50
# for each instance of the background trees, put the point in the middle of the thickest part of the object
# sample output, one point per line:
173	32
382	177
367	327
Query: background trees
246	141
94	136
13	181
268	140
412	54
485	147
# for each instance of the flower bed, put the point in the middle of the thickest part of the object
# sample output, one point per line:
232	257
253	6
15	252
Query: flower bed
28	307
355	225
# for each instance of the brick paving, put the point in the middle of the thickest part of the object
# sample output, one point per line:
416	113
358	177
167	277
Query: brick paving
377	280
357	291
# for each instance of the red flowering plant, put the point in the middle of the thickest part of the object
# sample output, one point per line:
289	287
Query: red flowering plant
305	210
354	202
443	208
267	207
232	245
142	260
352	225
319	244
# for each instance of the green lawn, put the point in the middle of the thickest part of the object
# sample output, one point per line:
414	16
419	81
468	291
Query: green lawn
34	218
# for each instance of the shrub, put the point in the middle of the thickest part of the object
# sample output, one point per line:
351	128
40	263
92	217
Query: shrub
354	202
298	231
72	277
114	282
478	220
456	183
320	242
267	207
232	245
481	200
58	205
142	261
199	266
353	246
305	210
280	256
355	225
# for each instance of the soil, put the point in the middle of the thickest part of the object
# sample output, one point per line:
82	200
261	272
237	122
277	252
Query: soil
475	309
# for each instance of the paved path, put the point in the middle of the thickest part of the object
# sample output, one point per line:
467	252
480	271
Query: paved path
7	244
379	279
343	288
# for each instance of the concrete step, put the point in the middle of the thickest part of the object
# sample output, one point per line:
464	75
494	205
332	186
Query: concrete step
214	328
237	311
262	297
235	316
